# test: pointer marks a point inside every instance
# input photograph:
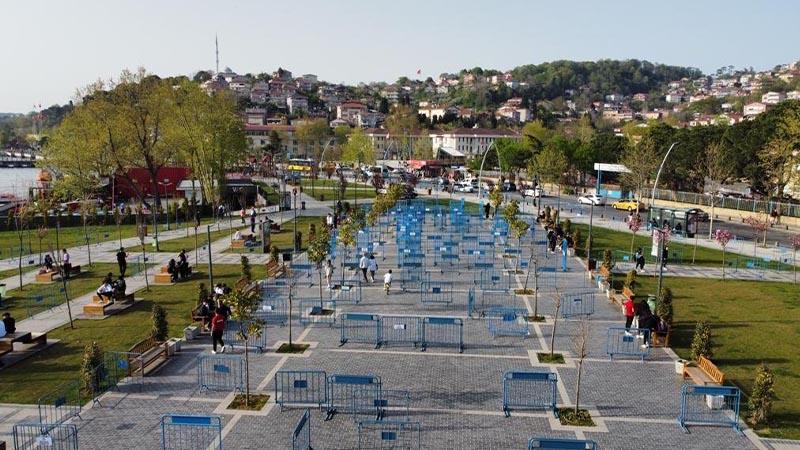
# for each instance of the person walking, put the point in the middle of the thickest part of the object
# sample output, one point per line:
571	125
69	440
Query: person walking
628	310
122	261
217	329
638	259
253	221
362	264
387	281
66	265
242	213
486	209
372	266
328	272
664	257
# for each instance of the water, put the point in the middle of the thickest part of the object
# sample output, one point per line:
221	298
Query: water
17	181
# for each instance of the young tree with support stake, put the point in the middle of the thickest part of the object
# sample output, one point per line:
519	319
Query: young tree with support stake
722	237
318	250
795	246
243	301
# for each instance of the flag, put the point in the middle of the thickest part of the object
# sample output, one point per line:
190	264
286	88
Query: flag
419	71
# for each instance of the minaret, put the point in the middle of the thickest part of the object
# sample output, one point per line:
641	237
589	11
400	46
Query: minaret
216	44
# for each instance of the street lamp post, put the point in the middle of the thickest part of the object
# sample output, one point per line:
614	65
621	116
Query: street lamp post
294	207
480	172
663	232
589	244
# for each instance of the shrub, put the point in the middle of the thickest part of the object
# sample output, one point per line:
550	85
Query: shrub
275	254
159	331
608	263
566	225
701	342
312	232
762	396
630	279
577	239
91	372
246	269
664	306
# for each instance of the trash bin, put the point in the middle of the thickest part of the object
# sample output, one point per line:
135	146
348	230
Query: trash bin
303	205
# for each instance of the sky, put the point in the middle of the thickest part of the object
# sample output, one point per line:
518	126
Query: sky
51	48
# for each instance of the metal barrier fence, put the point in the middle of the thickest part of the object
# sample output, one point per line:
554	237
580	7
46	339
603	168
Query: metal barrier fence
540	443
400	330
489	298
507	322
395	405
302	270
314	311
389	434
436	292
412	276
628	342
301	388
232	336
529	389
349	293
64	403
740	204
124	365
360	328
353	394
709	405
301	437
273	310
220	372
494	279
443	331
181	432
576	304
35	436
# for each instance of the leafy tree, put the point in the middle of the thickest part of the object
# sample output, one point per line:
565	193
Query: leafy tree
160	328
702	344
243	302
664	305
91	370
402	122
358	148
496	198
762	396
318	250
313	135
513	155
423	149
642	162
717	170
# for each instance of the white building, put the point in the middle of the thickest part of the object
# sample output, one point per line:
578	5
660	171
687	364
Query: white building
754	109
349	111
297	103
793	95
674	98
469	141
773	98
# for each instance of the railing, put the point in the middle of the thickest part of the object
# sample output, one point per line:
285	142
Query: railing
740	204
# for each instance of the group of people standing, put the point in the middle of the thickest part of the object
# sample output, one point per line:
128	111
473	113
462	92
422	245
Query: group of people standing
215	314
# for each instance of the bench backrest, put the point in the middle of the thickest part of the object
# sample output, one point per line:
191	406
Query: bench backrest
144	345
710	369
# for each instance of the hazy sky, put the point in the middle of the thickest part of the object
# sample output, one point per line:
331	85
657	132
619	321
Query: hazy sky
49	48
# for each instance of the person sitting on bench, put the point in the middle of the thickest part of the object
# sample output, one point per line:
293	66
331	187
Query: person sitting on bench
120	287
9	323
238	235
48	262
106	290
183	265
250	241
172	270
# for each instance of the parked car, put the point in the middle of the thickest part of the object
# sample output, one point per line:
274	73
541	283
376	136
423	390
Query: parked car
592	199
699	214
508	187
533	192
464	187
628	205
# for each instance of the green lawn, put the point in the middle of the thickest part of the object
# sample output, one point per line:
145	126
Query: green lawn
15	271
30	379
283	239
67	237
620	243
750	322
328	190
269	193
22	303
188	242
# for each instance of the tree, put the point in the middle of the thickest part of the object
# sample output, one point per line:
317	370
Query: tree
496	198
550	164
358	148
513	155
160	330
642	162
762	396
664	305
634	224
702	344
758	226
402	123
423	149
520	229
313	135
580	346
722	237
557	299
795	246
91	371
718	170
246	270
243	301
318	249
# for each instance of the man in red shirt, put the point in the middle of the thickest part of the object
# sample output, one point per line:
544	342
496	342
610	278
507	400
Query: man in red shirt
217	328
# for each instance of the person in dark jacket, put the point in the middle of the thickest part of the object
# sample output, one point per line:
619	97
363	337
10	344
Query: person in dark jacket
9	322
217	329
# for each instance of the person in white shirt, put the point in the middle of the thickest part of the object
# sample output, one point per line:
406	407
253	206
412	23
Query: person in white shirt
328	272
372	266
238	235
387	281
329	220
362	264
65	264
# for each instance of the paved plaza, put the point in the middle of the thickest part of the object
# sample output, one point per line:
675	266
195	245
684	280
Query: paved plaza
455	397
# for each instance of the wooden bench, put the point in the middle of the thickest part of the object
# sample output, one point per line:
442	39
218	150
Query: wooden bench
98	306
275	269
151	354
239	243
21	337
661	338
49	276
164	277
704	373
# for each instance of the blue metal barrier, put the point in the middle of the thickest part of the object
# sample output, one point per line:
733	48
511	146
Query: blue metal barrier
394	405
436	292
348	293
64	403
30	436
709	405
400	330
389	435
180	432
443	331
353	394
301	388
541	443
273	310
301	437
360	328
529	389
576	304
507	322
491	298
220	372
232	336
628	342
314	311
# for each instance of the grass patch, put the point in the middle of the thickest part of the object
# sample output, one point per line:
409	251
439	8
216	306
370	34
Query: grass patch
523	291
536	319
188	242
34	377
568	416
293	348
546	358
15	271
257	401
620	243
23	302
751	322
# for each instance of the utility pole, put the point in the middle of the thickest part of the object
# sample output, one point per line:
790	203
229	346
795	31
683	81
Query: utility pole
210	264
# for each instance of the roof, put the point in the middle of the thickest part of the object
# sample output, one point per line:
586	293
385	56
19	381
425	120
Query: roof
268	127
452	152
503	132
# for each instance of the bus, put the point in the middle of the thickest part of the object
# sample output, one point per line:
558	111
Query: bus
300	165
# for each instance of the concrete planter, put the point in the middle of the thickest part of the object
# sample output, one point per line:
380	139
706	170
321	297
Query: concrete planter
680	365
173	346
190	333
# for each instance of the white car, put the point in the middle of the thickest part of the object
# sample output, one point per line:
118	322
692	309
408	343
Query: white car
532	192
592	199
465	187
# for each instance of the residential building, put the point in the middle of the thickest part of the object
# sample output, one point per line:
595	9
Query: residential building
754	109
773	98
258	136
793	95
674	98
297	103
640	97
469	141
255	116
517	114
349	111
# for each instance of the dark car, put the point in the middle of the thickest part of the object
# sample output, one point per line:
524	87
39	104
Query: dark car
698	215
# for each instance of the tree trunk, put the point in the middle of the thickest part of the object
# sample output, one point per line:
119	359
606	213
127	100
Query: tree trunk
711	219
578	386
723	263
553	336
246	373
